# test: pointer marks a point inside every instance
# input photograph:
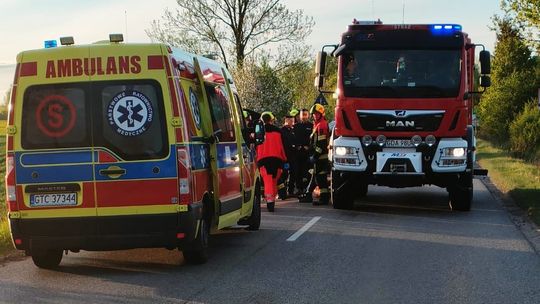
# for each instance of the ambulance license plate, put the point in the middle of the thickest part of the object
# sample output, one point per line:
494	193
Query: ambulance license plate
399	143
53	199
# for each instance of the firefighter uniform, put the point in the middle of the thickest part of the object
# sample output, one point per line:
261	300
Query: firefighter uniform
287	180
302	133
270	159
319	156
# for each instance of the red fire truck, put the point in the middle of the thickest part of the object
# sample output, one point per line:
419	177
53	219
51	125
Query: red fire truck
404	109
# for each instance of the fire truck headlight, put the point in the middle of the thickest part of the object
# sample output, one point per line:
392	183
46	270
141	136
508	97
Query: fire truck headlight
455	152
342	151
458	152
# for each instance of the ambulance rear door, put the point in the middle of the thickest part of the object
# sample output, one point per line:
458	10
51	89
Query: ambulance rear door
136	169
52	144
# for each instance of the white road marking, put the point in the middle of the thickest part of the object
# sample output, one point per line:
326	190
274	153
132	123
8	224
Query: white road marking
304	228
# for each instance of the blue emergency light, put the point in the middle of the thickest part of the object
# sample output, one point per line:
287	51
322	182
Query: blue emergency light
50	44
445	29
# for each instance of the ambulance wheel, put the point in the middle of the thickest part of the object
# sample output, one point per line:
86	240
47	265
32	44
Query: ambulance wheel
48	258
340	192
197	253
254	220
461	193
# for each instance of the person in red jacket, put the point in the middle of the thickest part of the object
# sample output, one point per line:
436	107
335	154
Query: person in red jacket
270	159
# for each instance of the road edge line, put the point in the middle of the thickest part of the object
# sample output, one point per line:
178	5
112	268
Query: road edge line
303	229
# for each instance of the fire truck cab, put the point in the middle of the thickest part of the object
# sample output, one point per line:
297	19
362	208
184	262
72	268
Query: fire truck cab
404	114
117	146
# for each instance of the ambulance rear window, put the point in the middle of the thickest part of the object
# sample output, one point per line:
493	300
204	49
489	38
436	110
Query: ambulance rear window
130	119
55	116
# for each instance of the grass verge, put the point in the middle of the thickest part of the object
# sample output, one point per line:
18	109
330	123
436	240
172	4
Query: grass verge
518	178
5	238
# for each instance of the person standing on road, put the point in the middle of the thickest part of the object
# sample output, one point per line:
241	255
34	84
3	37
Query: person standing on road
270	159
319	157
302	133
287	179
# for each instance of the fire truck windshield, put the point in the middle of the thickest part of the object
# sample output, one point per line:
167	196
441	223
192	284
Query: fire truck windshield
401	73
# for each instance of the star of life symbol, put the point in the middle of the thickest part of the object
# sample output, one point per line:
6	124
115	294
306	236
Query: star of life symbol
203	156
130	113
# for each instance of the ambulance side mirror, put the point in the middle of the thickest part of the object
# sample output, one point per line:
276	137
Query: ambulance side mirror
259	132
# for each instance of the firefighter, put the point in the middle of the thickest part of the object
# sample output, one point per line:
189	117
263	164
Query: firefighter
302	132
319	157
270	159
287	179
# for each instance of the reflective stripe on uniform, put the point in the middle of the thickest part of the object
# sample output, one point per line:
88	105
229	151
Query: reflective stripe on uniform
321	137
281	186
322	173
318	150
323	190
323	156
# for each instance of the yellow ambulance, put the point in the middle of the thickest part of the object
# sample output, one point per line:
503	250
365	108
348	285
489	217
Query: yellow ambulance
117	146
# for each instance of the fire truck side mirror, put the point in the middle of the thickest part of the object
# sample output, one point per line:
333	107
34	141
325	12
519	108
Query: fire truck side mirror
320	69
485	81
485	62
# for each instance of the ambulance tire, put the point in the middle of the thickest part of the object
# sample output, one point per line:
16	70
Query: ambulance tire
198	251
47	259
254	220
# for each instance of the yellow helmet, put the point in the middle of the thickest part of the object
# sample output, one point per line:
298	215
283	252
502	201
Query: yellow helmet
268	113
294	112
317	108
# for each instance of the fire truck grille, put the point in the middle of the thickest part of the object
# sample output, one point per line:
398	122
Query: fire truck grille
400	120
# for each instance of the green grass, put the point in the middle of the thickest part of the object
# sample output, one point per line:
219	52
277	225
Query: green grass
5	238
518	178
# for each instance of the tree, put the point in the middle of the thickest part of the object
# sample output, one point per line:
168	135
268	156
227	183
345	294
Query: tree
234	28
526	12
514	83
261	89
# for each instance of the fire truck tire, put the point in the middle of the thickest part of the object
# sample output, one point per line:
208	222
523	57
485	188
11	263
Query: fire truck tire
461	193
48	258
340	192
254	220
362	190
197	253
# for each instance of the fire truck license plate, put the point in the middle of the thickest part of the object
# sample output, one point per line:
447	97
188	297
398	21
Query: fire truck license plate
399	143
53	199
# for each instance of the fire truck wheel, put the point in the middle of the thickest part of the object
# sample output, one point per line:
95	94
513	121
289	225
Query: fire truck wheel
198	251
362	189
461	193
340	192
48	258
254	221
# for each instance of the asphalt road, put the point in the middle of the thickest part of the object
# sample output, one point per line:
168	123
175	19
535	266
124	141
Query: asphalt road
397	246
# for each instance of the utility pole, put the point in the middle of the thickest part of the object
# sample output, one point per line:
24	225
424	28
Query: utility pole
403	12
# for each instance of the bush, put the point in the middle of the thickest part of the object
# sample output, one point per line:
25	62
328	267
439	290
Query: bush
525	133
502	103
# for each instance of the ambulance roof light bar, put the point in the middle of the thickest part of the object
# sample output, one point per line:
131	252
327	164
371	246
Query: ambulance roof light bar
67	40
116	37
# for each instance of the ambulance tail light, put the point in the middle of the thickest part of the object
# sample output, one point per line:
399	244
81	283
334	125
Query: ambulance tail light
11	190
184	179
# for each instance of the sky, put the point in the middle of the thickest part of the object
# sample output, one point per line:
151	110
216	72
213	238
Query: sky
26	24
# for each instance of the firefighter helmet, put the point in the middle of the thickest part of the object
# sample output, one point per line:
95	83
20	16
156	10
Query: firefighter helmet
317	108
267	115
294	112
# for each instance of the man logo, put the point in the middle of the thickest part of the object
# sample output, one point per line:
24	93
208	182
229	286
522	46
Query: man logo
399	124
401	113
